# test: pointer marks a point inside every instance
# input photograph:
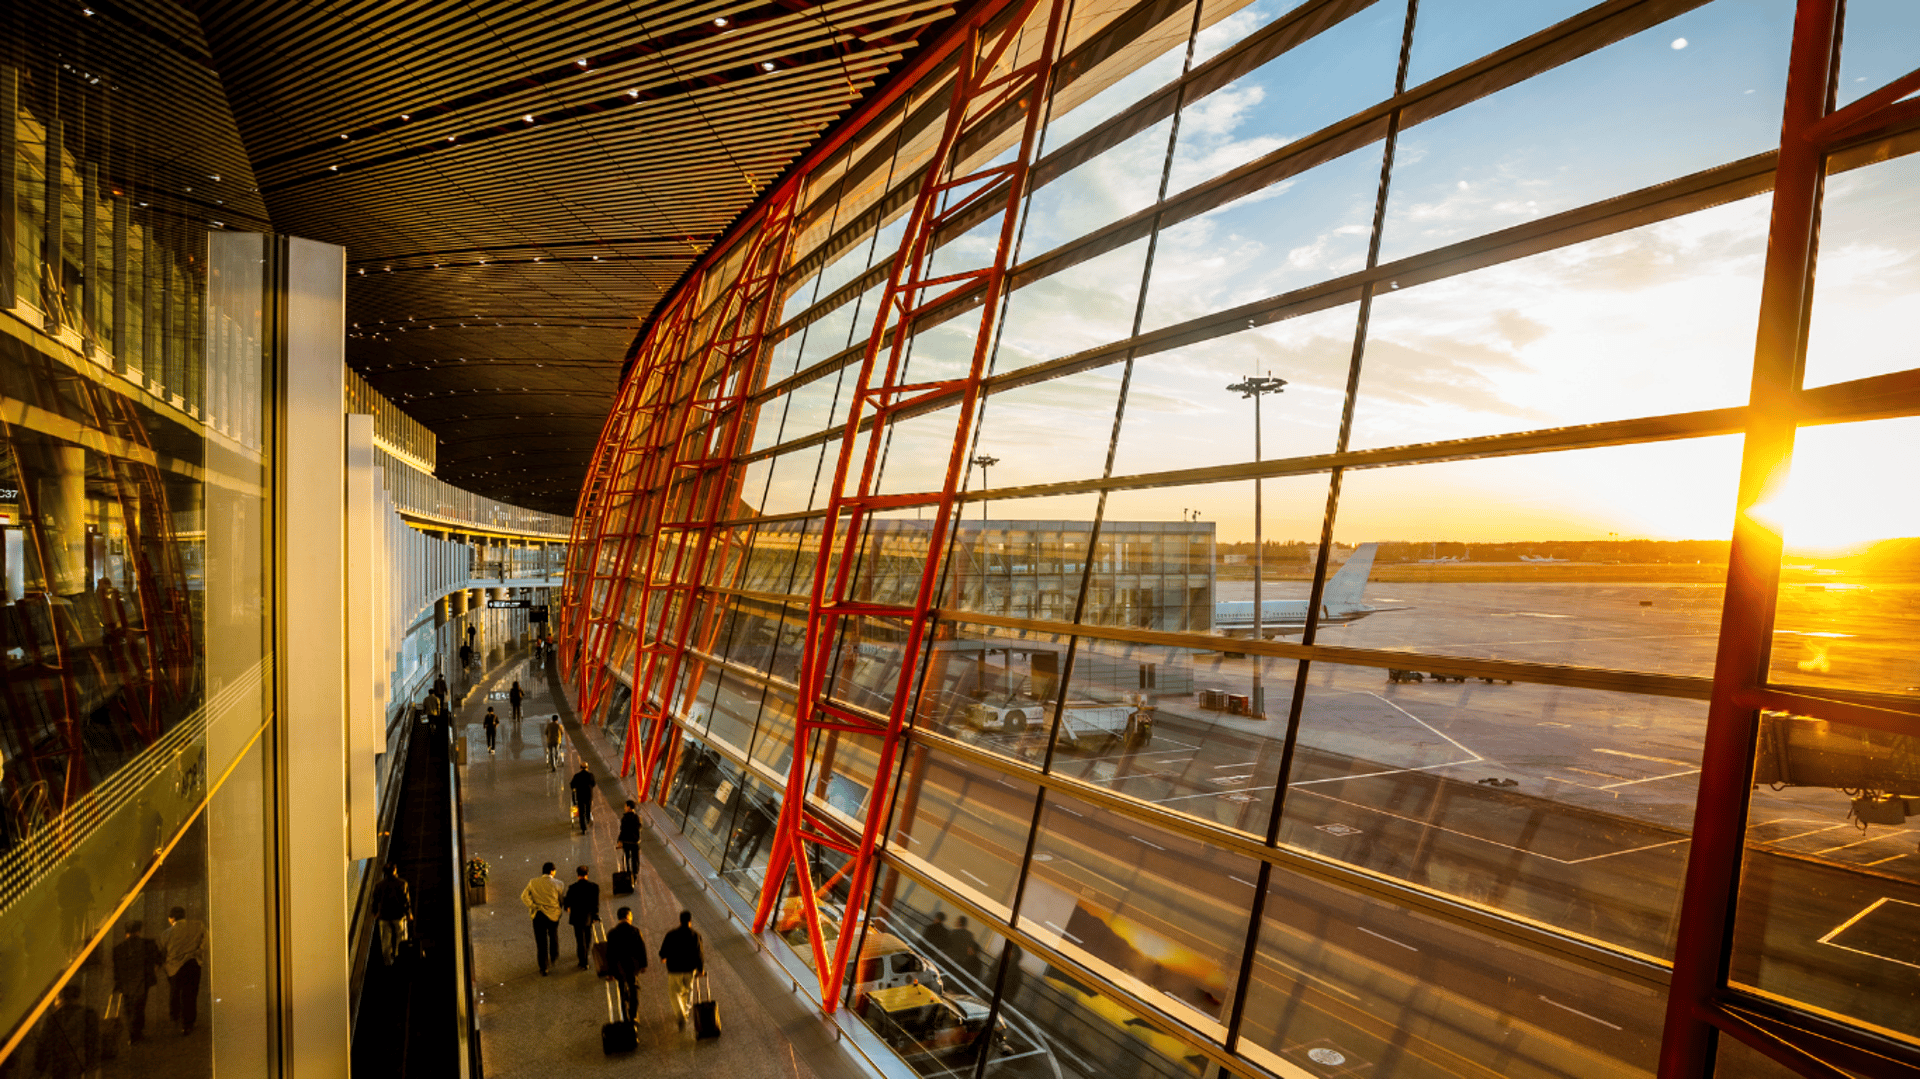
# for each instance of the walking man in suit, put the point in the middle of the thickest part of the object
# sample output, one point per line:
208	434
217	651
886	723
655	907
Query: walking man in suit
680	949
186	949
627	959
582	904
583	784
135	959
630	837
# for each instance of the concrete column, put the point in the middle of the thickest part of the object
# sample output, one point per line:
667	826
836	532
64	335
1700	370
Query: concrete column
314	859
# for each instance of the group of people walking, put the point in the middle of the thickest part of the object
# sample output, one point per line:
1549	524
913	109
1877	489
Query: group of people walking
625	951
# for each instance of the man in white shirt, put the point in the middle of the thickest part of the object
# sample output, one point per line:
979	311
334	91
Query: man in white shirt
542	897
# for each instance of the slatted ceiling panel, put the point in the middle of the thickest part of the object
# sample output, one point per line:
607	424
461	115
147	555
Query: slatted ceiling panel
514	213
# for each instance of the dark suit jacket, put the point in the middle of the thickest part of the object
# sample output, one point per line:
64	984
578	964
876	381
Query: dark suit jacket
582	902
134	961
626	950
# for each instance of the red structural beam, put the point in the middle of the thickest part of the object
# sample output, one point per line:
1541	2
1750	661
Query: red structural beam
992	72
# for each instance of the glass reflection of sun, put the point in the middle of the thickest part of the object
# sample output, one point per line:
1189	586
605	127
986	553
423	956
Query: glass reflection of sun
1847	489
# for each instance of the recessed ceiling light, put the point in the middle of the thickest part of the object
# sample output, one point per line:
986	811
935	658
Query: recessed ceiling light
346	136
529	118
582	61
404	116
766	65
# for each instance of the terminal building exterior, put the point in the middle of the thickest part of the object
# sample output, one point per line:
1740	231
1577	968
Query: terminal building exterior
1580	333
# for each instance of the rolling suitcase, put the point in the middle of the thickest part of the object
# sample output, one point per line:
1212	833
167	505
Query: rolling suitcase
597	951
623	883
617	1035
706	1013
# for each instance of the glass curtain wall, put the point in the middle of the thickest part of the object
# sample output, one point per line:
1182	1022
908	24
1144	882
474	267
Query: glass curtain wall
1321	680
138	800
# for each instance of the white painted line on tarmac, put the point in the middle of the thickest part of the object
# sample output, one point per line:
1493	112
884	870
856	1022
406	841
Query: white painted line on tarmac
1808	832
1388	772
1651	779
1242	880
1495	842
1848	924
976	880
1144	843
1578	1012
1884	861
1386	938
1644	757
1869	839
1591	772
1210	794
1243	764
1425	724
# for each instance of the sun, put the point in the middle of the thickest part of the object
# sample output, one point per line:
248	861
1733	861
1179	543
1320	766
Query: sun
1846	490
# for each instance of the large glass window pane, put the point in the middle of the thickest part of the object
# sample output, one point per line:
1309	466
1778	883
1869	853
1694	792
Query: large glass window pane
1177	727
1666	102
1119	182
1449	33
965	823
1347	985
993	687
922	981
1162	915
1149	61
1180	412
1566	807
1332	75
1086	305
1868	274
1848	611
1830	886
1304	229
1875	47
1048	432
1576	335
1596	558
1226	23
1025	563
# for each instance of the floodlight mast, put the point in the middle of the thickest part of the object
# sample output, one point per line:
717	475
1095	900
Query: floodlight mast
1255	386
985	461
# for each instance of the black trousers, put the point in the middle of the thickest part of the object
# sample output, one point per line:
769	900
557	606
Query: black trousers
586	813
184	986
631	853
546	940
134	1001
629	996
583	940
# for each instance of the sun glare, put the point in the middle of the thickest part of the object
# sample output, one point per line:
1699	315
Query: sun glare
1845	491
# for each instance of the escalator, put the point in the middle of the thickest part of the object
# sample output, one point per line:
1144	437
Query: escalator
412	1018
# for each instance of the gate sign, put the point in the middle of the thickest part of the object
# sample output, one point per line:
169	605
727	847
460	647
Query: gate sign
513	604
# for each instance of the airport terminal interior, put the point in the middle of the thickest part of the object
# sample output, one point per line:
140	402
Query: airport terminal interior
1066	539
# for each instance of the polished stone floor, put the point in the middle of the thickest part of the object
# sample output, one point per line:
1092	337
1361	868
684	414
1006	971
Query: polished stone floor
516	818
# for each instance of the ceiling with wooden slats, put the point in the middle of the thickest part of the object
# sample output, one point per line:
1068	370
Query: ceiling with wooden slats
518	184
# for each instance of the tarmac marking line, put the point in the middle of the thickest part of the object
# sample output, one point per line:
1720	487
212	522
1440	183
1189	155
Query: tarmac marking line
1858	842
1210	794
1578	1012
1243	764
1591	772
1884	861
1425	724
1848	924
1651	779
1386	938
1388	772
1808	832
1644	757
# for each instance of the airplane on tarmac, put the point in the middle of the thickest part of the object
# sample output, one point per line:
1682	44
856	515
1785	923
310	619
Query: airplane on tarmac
1540	558
1340	603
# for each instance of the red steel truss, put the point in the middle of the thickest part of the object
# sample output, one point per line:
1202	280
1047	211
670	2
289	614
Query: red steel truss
993	73
633	465
584	543
701	485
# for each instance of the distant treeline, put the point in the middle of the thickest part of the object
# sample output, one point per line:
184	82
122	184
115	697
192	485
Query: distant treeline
1710	552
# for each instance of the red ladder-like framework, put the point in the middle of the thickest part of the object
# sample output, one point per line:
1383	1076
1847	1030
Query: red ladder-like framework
635	464
989	81
700	490
583	543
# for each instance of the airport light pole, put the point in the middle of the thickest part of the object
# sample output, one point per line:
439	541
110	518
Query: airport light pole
985	461
1255	386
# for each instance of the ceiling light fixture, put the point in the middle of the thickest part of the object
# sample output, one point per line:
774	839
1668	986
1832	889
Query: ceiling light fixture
720	21
529	118
766	65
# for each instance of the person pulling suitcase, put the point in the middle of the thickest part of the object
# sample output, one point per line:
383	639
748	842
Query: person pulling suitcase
680	949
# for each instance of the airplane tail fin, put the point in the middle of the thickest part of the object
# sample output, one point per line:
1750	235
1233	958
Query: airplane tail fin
1344	590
